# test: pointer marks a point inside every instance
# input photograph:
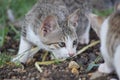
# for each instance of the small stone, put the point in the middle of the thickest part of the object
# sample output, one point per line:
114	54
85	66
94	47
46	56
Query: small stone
83	78
42	78
13	77
81	68
73	64
32	78
74	71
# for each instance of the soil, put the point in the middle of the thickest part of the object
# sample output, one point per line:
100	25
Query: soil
57	71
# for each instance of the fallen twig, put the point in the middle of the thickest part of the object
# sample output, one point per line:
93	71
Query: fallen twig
46	63
44	57
86	47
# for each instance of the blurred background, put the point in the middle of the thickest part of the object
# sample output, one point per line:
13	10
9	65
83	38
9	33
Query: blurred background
11	11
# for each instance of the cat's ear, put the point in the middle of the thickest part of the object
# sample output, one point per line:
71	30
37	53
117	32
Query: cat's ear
49	25
73	18
95	21
117	6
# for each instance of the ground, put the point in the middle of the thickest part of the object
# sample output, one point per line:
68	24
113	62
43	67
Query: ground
9	43
56	71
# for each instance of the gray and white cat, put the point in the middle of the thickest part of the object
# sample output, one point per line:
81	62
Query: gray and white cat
108	29
48	26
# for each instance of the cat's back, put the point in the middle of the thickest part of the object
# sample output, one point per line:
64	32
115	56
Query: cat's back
83	5
43	8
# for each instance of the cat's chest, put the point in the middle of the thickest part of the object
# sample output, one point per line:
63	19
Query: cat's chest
103	38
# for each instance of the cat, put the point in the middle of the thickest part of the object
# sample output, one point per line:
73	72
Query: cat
49	26
108	30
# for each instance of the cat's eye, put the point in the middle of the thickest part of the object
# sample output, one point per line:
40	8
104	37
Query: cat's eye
61	44
74	42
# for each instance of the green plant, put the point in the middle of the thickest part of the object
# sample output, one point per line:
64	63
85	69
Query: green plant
103	12
19	8
3	33
4	58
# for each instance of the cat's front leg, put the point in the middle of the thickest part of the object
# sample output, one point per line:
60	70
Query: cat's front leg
104	68
84	39
24	46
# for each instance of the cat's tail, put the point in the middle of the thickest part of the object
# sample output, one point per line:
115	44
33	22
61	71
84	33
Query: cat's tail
117	61
11	17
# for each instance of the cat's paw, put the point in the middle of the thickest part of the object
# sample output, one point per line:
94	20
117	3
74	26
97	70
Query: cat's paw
15	59
18	58
103	68
84	39
113	79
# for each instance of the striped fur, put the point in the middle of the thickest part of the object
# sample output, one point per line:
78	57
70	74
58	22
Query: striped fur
49	26
110	40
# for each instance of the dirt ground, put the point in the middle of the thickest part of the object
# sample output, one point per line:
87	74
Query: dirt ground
57	71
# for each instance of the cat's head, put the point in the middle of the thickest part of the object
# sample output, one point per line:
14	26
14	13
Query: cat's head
60	38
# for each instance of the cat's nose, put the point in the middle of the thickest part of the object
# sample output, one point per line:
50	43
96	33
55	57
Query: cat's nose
71	54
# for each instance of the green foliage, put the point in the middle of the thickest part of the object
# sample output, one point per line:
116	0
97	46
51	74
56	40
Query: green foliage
103	12
4	58
3	32
20	8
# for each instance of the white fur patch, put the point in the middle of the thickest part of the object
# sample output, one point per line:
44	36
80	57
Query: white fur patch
24	46
117	61
106	67
103	38
65	51
34	38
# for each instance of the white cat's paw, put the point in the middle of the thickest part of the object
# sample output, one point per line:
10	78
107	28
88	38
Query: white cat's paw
15	60
104	68
113	79
84	39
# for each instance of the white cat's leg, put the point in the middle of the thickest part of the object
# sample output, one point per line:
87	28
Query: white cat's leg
24	46
113	79
84	39
117	61
107	66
